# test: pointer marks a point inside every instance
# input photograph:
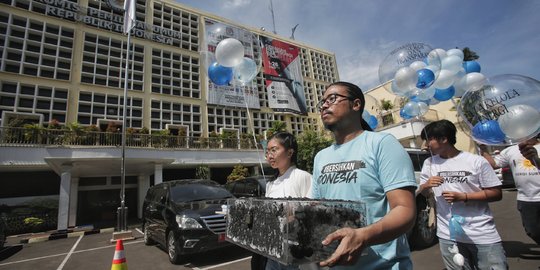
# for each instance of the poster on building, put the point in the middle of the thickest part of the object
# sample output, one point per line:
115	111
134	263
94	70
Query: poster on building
283	76
234	94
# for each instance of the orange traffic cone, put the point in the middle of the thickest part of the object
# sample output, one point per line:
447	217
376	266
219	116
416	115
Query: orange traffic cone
119	260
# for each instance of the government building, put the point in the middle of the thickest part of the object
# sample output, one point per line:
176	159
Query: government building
62	83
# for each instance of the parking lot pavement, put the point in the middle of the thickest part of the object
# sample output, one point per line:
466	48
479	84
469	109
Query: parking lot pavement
96	251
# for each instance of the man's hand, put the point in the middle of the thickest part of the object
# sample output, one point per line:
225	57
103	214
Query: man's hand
350	248
528	150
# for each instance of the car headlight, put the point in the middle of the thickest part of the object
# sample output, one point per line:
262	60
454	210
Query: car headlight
185	222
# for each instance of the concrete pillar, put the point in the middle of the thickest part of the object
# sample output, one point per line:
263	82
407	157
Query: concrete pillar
63	199
158	173
143	182
73	200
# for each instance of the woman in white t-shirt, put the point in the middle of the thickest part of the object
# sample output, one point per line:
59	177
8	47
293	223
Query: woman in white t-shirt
281	154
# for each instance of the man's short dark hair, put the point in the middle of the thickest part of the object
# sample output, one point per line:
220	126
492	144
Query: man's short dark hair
439	130
356	93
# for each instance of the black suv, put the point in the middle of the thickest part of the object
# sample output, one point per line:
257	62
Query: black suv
253	186
424	232
180	215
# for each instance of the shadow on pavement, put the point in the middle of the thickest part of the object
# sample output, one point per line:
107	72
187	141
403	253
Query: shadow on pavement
219	256
9	251
522	250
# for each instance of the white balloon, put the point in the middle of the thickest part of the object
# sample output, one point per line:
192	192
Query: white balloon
406	78
434	68
398	91
520	122
435	57
417	65
423	108
470	82
445	79
458	259
229	52
456	52
452	63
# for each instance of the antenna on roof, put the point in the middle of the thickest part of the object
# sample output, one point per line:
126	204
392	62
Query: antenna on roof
294	29
273	19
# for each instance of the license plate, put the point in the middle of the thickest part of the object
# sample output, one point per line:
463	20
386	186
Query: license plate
221	237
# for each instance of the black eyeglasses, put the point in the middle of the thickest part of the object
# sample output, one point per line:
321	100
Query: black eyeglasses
332	99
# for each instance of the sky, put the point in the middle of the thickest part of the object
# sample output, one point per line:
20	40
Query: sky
505	34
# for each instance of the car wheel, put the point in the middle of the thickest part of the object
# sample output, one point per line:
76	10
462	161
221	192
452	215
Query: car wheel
424	233
146	237
172	248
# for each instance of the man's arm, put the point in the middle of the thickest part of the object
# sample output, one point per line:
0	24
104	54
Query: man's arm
487	156
398	221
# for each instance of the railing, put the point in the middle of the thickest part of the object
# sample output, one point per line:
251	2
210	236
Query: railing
60	137
390	118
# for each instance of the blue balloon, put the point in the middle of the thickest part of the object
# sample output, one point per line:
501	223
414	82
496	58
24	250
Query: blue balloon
219	74
426	78
373	122
471	66
488	132
444	94
404	115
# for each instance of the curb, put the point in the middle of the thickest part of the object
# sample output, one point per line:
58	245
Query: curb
64	234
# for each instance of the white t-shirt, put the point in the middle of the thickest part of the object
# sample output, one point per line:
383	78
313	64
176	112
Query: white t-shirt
463	173
294	183
526	175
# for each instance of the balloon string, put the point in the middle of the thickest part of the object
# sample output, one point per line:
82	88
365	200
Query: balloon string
252	126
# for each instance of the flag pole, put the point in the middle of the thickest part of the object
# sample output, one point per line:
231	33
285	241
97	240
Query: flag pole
122	231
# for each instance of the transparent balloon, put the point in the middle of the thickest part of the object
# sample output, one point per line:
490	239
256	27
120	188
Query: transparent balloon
246	71
470	82
456	52
400	57
513	101
229	52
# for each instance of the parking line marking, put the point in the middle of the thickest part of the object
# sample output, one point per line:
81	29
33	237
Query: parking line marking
60	254
222	264
61	266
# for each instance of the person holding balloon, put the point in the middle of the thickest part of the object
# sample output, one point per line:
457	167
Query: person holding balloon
463	185
364	166
523	161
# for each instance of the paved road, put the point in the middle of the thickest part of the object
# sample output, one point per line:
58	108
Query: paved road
96	251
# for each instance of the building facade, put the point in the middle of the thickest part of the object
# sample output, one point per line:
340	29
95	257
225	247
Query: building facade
63	64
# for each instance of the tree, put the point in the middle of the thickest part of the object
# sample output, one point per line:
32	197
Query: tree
469	55
309	143
387	104
277	126
238	172
202	172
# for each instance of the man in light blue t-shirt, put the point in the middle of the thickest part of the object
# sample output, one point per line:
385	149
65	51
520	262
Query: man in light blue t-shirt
369	167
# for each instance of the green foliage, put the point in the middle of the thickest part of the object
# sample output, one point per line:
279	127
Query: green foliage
202	172
277	126
387	104
310	142
33	221
238	172
469	55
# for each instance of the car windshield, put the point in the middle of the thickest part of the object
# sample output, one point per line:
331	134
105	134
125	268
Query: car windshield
197	192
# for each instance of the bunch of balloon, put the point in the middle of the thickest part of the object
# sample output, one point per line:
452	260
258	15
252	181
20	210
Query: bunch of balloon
426	76
504	111
231	64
